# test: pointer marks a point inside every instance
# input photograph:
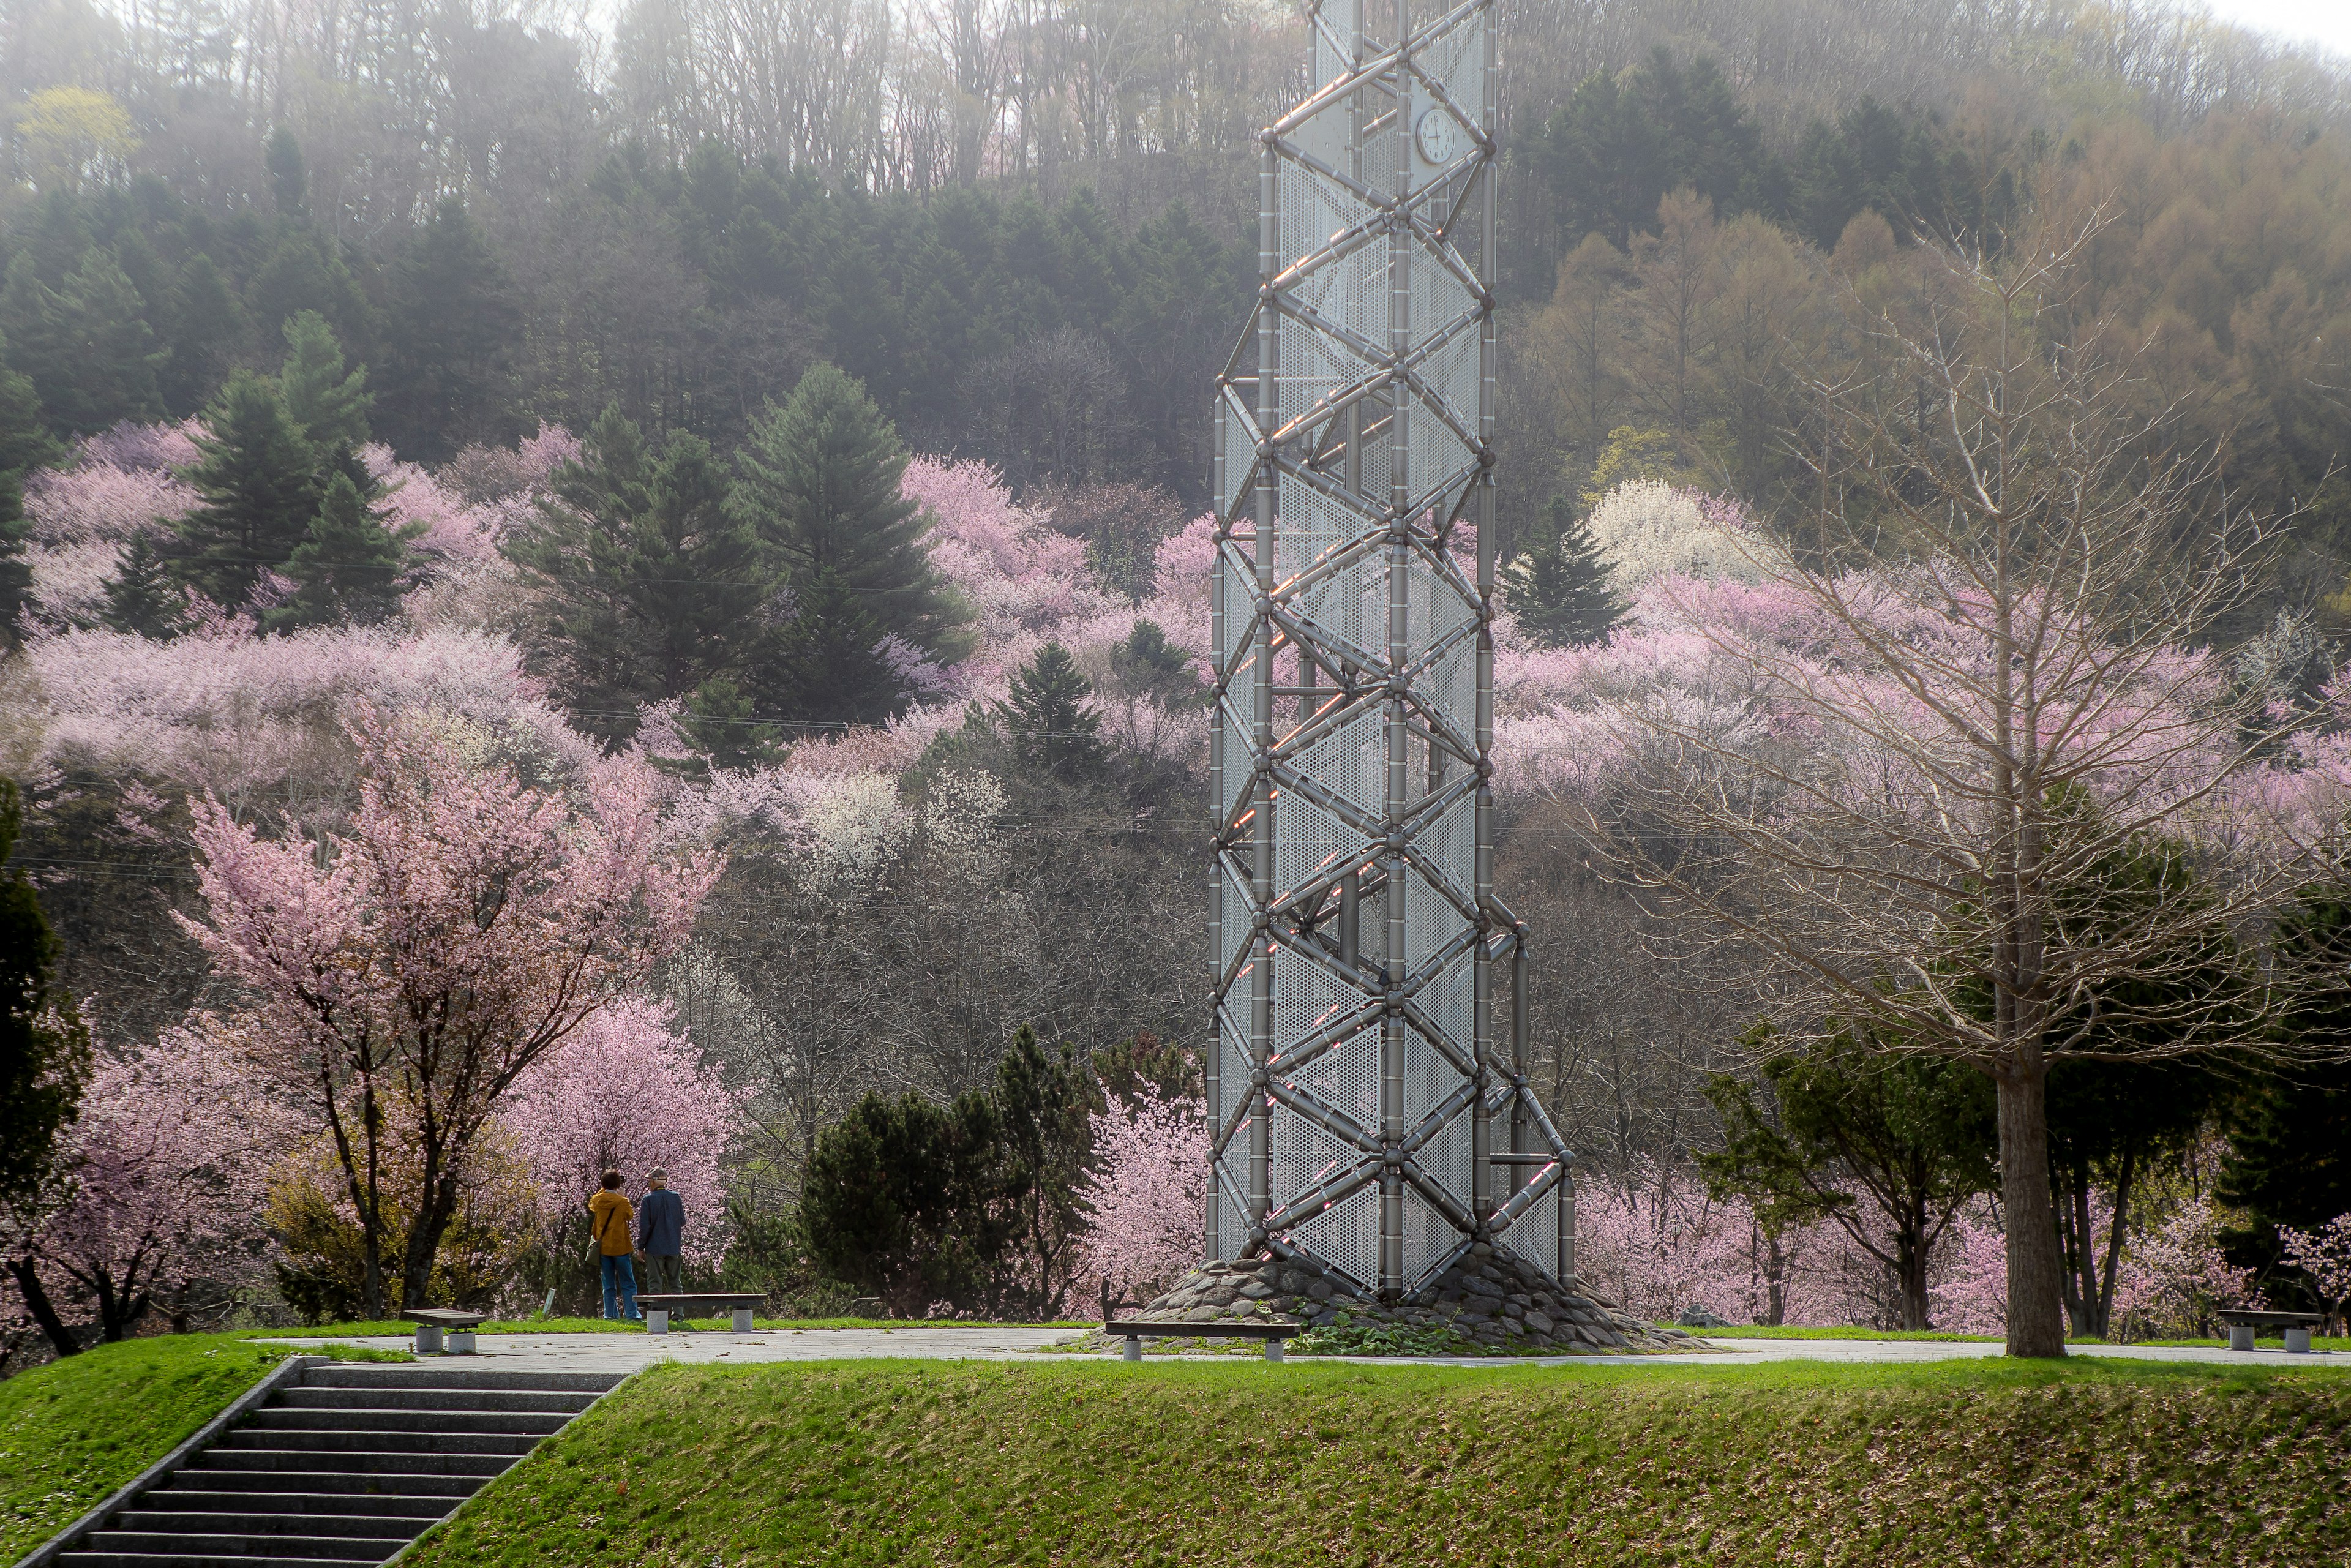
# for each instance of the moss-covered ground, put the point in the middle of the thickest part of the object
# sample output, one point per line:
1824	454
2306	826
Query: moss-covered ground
2079	1463
74	1431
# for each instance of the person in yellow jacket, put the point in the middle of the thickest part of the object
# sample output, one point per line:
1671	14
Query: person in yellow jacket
608	1214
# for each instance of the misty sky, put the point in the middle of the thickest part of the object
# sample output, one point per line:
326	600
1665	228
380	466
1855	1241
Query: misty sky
2327	23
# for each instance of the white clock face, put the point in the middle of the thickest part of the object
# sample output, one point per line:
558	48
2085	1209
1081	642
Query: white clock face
1439	137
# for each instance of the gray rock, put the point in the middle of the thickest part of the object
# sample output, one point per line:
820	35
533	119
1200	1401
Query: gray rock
1483	1288
1699	1318
1256	1290
1539	1324
1200	1315
1319	1291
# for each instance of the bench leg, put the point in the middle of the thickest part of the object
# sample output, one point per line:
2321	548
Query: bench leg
428	1339
2241	1336
1134	1351
461	1342
742	1320
2297	1341
1274	1350
656	1320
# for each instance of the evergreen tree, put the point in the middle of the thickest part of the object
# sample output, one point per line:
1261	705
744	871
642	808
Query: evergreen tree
1559	589
288	182
1148	665
140	596
455	328
722	721
826	663
302	273
1044	1103
349	567
899	1201
329	407
25	445
652	585
819	480
259	483
1047	721
208	323
2289	1159
44	1048
85	344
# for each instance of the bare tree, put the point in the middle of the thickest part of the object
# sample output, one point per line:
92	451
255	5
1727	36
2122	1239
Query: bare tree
1909	817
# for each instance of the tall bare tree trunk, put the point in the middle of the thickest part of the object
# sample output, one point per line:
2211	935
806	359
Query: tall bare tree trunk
2036	1319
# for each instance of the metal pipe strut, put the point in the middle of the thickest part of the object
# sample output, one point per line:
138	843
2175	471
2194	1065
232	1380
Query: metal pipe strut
1361	1072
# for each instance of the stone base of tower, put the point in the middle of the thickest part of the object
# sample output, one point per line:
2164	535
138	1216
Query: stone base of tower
1489	1298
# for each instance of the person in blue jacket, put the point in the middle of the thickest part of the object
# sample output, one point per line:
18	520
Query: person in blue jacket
661	1234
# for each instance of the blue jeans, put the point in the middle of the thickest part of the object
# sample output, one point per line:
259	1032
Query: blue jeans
618	1272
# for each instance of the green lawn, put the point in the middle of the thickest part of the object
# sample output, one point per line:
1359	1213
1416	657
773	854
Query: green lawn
1753	1330
602	1325
2079	1463
74	1431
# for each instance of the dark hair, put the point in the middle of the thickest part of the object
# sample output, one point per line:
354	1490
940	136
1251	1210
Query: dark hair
611	1180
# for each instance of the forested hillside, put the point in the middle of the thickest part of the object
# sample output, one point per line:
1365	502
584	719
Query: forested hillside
776	434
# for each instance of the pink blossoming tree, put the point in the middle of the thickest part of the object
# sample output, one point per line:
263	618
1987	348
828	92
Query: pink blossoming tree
462	928
1145	1194
165	1167
628	1091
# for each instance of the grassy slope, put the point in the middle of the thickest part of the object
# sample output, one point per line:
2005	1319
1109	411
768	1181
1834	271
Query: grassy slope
2080	1463
74	1431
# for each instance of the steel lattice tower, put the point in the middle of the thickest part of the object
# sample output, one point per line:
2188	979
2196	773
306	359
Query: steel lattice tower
1355	1079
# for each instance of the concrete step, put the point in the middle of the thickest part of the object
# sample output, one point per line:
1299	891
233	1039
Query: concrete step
388	1465
208	1522
328	1483
513	1401
405	1374
530	1423
312	1548
347	1441
352	1504
184	1560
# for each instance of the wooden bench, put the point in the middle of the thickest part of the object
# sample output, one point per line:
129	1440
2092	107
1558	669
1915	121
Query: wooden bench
442	1331
1136	1330
2242	1324
659	1308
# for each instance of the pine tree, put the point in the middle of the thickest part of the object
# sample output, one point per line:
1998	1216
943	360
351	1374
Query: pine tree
140	596
206	326
1047	721
819	481
288	183
826	663
85	344
1148	665
329	407
25	445
451	375
651	586
1559	590
722	721
348	568
44	1048
259	483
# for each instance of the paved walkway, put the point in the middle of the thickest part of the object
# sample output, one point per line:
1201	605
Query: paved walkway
628	1353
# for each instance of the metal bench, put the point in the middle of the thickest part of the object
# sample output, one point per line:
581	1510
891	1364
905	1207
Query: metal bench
1136	1330
2244	1324
659	1308
443	1331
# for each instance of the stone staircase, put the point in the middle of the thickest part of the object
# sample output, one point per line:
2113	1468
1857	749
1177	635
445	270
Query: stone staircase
345	1466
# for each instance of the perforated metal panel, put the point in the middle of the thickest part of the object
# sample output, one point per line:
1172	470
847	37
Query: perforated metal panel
1354	449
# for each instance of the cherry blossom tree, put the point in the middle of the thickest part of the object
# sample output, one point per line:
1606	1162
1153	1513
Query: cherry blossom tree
2325	1259
165	1168
1145	1194
628	1091
462	928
